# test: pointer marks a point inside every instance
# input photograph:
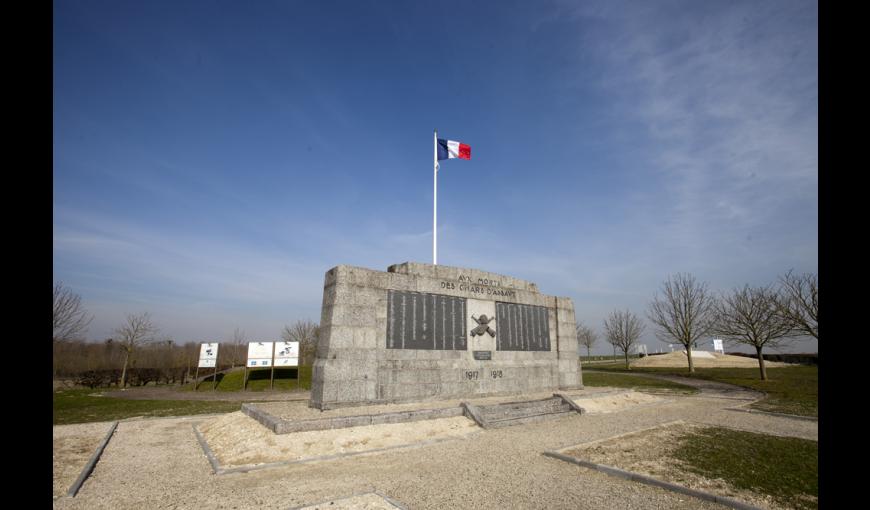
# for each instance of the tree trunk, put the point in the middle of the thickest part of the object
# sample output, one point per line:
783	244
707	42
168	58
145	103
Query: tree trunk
124	371
761	364
588	352
627	366
689	354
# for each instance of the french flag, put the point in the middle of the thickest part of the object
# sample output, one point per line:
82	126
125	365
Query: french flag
449	149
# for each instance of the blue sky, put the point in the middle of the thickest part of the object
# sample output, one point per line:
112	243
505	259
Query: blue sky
212	160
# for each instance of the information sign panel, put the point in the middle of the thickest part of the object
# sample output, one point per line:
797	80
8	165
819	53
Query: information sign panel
287	354
260	354
208	355
717	345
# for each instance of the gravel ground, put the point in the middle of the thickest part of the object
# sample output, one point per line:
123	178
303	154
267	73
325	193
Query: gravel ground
238	440
158	463
369	501
73	446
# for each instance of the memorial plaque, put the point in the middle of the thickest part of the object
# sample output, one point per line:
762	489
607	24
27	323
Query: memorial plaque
416	320
483	355
522	327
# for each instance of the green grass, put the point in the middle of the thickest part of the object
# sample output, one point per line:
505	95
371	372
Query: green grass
80	406
631	381
784	468
258	380
618	357
790	390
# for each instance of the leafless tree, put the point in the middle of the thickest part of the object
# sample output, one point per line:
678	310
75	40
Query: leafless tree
684	312
750	316
238	341
622	330
136	332
307	333
70	319
587	337
799	303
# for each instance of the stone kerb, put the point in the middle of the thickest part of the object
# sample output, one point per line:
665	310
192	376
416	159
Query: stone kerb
354	366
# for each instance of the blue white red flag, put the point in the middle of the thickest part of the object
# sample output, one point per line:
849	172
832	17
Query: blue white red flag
449	149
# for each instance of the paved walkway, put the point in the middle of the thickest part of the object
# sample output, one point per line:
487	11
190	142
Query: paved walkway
158	463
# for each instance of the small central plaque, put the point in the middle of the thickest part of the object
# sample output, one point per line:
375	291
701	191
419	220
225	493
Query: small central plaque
483	355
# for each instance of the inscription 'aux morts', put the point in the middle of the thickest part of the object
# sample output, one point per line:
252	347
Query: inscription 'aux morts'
482	286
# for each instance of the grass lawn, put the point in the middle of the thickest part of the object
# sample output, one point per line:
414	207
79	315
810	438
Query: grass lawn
79	406
790	390
784	468
258	380
632	381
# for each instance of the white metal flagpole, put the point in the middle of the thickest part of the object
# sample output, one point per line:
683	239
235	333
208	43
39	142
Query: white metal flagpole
435	200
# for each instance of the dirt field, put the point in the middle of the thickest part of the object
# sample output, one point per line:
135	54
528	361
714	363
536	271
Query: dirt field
159	463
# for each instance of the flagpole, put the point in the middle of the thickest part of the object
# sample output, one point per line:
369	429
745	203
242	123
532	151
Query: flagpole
435	199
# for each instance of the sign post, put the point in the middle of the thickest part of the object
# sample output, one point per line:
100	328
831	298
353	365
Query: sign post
272	377
287	355
207	358
260	354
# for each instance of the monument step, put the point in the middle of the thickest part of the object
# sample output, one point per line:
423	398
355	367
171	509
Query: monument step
517	413
506	413
527	403
529	419
522	413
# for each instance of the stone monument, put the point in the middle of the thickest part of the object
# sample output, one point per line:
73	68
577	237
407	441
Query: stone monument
426	332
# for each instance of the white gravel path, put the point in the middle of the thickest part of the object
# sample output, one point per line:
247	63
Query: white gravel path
158	463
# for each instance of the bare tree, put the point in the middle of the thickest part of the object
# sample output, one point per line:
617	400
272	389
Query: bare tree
622	329
238	340
750	316
684	312
307	333
587	337
799	303
70	319
136	332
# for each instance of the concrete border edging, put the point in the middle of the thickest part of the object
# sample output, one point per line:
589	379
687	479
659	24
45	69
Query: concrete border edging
281	426
89	467
570	402
770	413
208	453
636	477
474	413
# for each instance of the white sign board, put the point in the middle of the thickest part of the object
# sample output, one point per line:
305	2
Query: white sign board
287	354
260	354
208	355
717	345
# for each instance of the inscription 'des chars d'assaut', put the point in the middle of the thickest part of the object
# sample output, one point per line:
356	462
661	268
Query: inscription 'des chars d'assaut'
483	286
